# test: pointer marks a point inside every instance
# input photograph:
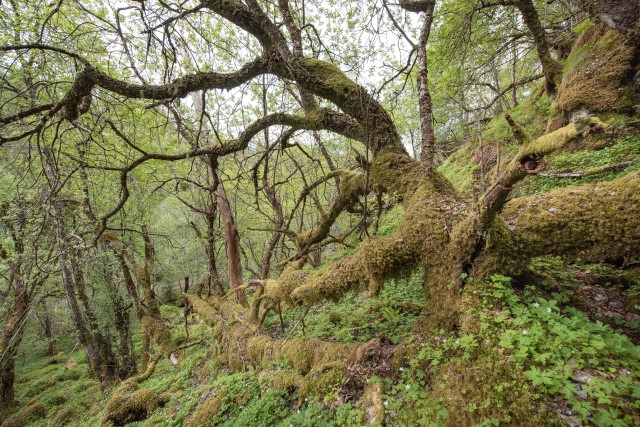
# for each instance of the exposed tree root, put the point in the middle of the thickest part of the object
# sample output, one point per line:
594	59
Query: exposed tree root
315	366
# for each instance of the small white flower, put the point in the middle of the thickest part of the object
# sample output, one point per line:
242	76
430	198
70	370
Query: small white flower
401	369
386	403
549	310
525	332
536	305
306	399
407	386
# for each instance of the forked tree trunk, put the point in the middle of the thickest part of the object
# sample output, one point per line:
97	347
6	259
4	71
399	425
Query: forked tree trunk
100	357
232	243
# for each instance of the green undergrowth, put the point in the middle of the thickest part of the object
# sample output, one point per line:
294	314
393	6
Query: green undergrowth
528	360
359	318
603	291
625	149
62	384
459	169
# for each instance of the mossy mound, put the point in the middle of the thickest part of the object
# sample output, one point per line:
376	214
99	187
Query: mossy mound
124	408
26	416
63	416
598	72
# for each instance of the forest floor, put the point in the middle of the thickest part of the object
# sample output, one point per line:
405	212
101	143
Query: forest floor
566	336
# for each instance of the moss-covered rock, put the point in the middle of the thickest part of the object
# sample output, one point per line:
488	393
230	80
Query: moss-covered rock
597	74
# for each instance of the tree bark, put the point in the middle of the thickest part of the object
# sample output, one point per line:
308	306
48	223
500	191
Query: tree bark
428	150
551	68
12	331
232	243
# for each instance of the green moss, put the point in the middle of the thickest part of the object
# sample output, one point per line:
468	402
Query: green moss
26	416
595	70
208	410
286	380
373	405
397	173
63	416
323	383
331	75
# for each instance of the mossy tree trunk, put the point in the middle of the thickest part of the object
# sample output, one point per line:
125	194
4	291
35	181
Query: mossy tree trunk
146	306
10	339
100	357
12	330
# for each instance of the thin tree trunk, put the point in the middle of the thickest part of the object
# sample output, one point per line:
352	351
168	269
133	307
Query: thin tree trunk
427	153
232	242
46	327
551	69
213	278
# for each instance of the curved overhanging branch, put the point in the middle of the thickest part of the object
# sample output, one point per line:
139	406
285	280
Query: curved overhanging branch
180	87
321	119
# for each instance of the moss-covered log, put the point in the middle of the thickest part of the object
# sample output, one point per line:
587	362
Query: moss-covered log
591	223
314	366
